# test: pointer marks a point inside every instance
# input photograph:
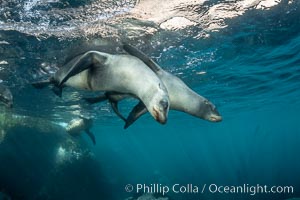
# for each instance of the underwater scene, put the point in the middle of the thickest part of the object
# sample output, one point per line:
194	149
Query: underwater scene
149	99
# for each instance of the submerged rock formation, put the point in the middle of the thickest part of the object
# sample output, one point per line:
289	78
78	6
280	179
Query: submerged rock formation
39	160
148	197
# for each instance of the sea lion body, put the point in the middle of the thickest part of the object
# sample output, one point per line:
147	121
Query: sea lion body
182	98
76	126
98	71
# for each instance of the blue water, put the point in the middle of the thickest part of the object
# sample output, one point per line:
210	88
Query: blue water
250	70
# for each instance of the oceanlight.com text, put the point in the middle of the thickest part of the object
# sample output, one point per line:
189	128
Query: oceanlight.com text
250	189
208	188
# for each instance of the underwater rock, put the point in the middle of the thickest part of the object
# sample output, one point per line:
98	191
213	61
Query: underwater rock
148	196
293	198
10	120
2	135
4	196
40	161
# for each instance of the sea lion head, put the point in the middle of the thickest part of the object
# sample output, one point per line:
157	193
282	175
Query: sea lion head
159	104
208	111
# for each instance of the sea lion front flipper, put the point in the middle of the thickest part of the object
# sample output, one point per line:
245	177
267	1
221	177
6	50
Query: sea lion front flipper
136	112
92	100
137	53
91	135
111	96
86	61
114	105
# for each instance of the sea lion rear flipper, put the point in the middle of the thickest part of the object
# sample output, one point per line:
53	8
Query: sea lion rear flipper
137	53
136	112
97	99
91	135
41	84
82	63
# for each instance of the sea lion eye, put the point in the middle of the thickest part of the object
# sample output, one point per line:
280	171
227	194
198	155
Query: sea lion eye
206	102
164	103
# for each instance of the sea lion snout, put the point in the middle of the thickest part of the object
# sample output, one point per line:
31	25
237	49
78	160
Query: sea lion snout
214	115
160	112
161	117
215	118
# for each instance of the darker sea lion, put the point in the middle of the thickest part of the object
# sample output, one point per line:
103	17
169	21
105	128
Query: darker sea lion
98	71
182	98
6	96
76	126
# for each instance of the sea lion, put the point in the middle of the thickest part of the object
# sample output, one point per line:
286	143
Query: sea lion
76	126
98	71
182	98
6	96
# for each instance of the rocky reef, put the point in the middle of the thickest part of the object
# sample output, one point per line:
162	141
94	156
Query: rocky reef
40	161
